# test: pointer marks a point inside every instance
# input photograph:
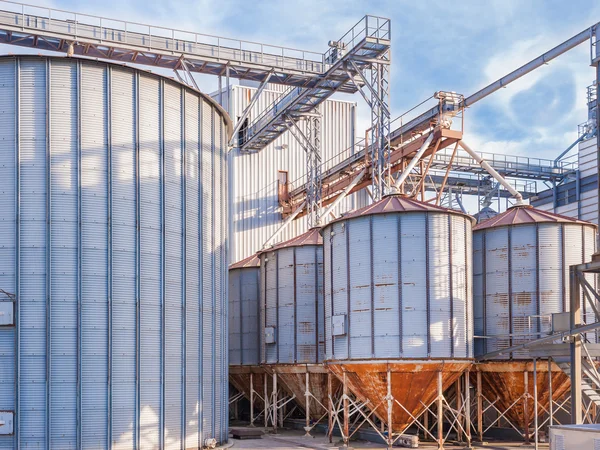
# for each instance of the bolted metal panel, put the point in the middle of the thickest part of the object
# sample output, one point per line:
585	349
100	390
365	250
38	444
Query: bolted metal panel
64	231
244	329
32	312
193	264
338	282
521	278
124	235
409	288
173	304
290	299
8	230
101	194
151	265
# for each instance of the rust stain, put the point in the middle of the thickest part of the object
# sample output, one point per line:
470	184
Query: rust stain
523	298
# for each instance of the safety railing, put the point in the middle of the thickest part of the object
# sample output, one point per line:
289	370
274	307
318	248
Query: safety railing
78	26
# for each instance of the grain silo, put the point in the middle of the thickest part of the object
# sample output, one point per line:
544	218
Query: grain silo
245	374
521	262
113	242
291	302
398	309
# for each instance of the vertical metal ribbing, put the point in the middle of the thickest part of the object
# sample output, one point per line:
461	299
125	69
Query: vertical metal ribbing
202	356
161	139
468	281
48	264
316	302
224	276
372	282
240	277
484	287
451	283
110	252
136	425
277	341
79	268
538	297
427	287
563	268
348	303
295	309
183	272
17	253
399	256
510	301
213	267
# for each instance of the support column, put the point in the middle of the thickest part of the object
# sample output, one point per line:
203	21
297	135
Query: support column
266	398
468	408
390	405
535	404
251	399
346	432
307	404
550	394
330	409
526	407
479	409
576	400
440	412
458	408
274	407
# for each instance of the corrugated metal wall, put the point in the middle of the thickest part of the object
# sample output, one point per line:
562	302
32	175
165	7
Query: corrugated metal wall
401	283
113	237
244	316
291	298
255	212
522	272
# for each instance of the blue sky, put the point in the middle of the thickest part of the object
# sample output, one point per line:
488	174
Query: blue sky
437	45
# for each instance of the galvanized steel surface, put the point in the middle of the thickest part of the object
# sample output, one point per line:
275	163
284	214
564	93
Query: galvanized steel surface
398	282
291	303
254	206
244	316
521	277
113	238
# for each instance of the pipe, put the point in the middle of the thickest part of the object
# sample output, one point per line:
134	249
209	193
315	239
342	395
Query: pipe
285	224
344	193
413	163
489	169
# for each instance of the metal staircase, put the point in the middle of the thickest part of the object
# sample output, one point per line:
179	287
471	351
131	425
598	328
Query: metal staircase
588	380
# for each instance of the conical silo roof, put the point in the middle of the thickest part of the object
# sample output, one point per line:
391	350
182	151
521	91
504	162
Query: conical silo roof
525	214
311	237
250	261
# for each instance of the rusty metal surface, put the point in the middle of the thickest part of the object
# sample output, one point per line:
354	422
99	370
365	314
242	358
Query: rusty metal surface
293	380
239	377
525	214
250	261
504	382
311	237
398	203
414	385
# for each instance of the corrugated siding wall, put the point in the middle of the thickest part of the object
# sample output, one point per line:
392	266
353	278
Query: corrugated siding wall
117	259
255	212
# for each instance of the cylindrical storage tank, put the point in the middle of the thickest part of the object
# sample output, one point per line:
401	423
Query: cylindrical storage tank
398	296
521	262
291	278
113	240
245	374
291	312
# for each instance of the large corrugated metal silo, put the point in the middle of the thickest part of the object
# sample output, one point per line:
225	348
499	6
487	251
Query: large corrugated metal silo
398	298
521	262
113	240
291	308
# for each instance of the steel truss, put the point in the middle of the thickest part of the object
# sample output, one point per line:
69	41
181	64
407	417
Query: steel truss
451	410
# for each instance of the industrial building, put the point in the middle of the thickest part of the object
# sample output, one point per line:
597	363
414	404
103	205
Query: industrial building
169	258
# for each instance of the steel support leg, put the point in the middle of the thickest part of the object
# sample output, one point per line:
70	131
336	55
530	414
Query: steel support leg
307	404
535	404
479	409
459	408
346	412
266	400
440	412
390	399
468	408
251	399
526	407
330	409
275	408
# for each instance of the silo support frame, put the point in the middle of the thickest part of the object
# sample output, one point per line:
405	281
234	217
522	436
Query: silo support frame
350	414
